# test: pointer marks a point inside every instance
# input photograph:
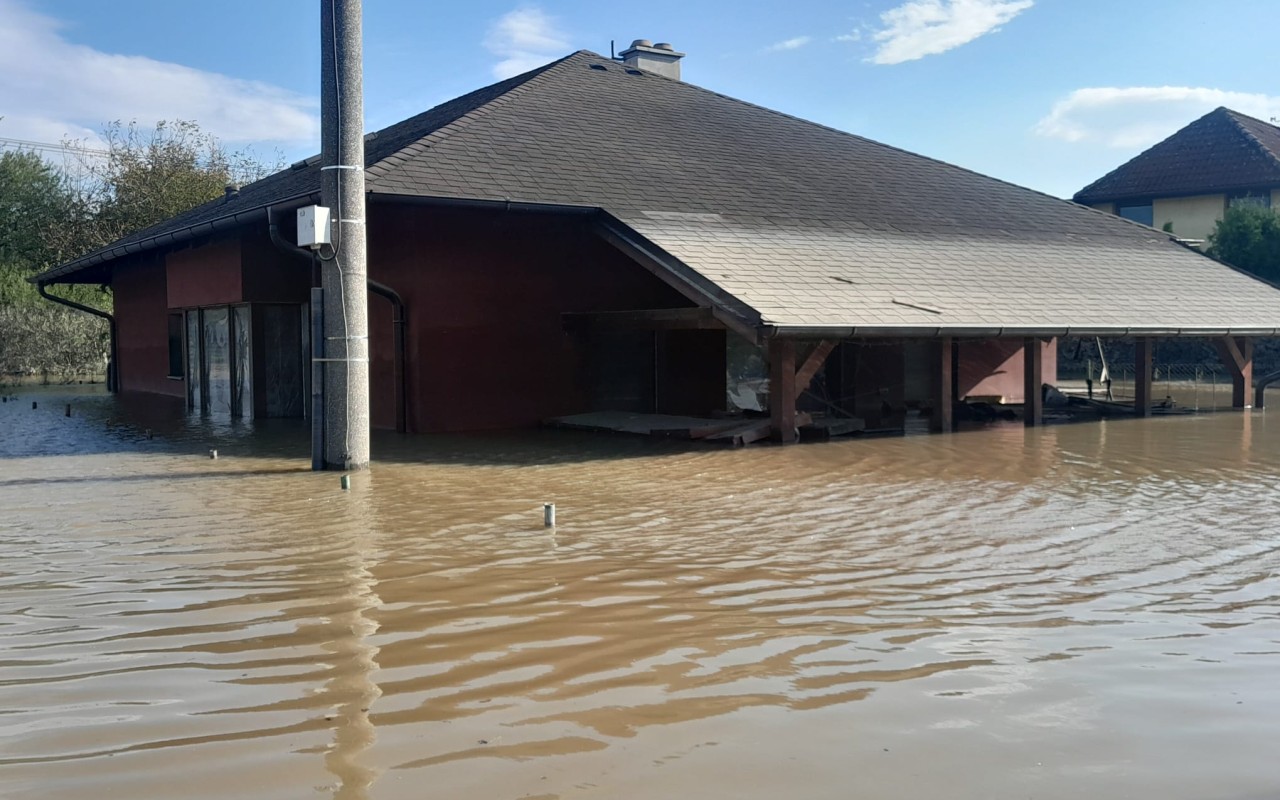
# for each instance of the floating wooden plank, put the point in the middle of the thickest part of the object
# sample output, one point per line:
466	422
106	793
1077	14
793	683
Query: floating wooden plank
744	432
702	431
832	427
644	424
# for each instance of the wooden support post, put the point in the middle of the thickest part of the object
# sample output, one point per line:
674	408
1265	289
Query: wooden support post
782	389
943	393
1142	351
1032	382
1236	353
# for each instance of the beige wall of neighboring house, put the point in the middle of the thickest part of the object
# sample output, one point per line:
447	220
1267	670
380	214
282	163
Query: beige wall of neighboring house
1192	217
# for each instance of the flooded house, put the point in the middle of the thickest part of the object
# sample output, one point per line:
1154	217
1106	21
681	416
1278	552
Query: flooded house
597	235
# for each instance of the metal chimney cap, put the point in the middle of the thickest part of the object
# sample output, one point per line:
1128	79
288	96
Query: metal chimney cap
232	189
664	46
642	43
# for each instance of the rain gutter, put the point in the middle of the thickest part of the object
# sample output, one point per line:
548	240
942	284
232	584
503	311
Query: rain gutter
113	365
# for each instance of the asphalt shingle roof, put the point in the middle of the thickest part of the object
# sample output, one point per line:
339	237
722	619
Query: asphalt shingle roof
802	226
1222	151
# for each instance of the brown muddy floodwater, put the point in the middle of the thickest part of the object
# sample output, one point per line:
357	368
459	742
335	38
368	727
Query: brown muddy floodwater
1089	610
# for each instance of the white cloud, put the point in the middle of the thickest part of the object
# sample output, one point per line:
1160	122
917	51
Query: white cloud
794	43
52	88
922	28
1139	116
851	36
524	38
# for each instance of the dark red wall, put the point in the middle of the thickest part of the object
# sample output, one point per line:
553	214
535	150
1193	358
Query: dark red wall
205	276
269	275
993	368
142	329
484	292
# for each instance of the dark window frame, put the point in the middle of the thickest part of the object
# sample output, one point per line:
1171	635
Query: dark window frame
177	346
1148	218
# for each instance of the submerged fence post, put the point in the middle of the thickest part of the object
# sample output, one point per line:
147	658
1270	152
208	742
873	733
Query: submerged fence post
549	515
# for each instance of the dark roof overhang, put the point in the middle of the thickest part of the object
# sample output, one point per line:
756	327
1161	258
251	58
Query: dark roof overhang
932	332
175	237
1094	198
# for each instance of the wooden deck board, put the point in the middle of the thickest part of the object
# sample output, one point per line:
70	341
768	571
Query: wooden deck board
645	424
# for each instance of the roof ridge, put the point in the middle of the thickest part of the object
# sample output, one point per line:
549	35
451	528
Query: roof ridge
388	162
1085	195
1235	117
861	138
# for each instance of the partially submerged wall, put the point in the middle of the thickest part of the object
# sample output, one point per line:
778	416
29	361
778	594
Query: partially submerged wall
485	292
142	328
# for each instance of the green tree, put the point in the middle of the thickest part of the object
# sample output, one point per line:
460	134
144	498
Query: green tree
55	214
1248	237
149	175
34	199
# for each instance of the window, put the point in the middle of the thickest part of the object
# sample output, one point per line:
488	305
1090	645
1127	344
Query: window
1259	199
176	365
1138	213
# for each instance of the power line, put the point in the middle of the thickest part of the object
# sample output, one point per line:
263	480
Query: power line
50	147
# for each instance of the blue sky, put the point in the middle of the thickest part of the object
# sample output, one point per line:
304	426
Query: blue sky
1049	94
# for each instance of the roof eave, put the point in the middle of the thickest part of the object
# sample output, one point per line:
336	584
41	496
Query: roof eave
179	236
1094	198
998	332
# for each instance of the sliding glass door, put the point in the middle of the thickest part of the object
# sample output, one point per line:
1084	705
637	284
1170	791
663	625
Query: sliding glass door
220	361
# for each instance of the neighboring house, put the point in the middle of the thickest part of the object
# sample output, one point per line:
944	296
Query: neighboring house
593	235
1186	182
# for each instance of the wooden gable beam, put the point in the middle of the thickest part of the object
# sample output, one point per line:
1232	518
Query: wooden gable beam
811	365
1236	353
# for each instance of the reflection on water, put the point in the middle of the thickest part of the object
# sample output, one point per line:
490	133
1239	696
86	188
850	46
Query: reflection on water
1073	610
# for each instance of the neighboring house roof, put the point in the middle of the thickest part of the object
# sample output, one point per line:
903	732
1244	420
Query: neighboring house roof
1223	151
783	223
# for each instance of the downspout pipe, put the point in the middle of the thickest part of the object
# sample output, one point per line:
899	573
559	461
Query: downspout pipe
113	367
399	320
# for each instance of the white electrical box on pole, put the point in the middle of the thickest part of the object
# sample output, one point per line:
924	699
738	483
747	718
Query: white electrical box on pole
314	227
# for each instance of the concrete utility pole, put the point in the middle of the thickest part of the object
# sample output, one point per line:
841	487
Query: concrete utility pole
343	271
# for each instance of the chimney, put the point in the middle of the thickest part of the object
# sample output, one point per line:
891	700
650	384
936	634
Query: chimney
660	59
230	192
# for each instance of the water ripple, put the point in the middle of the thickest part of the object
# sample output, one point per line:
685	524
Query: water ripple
1092	608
